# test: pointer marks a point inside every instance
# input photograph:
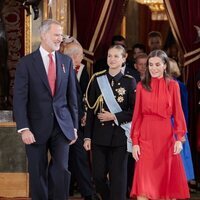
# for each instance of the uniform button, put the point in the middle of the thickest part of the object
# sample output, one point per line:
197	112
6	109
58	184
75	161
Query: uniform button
113	124
52	114
102	124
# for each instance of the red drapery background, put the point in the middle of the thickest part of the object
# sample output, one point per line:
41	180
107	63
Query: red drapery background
147	25
95	25
183	16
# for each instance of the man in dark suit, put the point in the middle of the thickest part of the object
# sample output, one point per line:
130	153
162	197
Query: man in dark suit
78	157
46	113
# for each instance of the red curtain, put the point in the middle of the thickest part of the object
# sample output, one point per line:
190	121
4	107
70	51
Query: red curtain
147	25
95	25
183	16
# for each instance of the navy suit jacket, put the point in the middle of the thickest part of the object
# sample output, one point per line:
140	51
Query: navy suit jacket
34	106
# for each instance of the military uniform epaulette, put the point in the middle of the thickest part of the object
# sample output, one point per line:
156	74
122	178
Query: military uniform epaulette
100	73
129	76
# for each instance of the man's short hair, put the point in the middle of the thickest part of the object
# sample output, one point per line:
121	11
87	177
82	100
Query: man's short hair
46	24
117	38
141	55
154	34
139	46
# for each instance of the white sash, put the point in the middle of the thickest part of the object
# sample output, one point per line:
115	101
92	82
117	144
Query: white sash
113	106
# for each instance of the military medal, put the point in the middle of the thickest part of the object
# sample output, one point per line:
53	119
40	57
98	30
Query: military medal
121	91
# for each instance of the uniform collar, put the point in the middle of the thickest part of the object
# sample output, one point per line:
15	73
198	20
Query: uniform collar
116	78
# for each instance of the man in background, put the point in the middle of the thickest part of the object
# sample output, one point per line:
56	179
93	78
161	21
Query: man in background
154	40
78	157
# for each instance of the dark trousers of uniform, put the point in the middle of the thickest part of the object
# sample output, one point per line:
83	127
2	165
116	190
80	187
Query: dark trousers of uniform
130	173
110	171
49	180
80	168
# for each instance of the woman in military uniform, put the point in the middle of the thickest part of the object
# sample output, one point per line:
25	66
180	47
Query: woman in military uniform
110	98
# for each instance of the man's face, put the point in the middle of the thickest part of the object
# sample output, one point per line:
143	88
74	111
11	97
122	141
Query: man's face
52	38
122	42
141	65
78	57
155	43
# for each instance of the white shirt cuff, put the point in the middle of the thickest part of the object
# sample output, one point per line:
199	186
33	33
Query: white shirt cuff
23	129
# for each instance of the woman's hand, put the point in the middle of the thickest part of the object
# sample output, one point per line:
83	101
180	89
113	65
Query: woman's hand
83	120
136	152
105	116
178	147
87	144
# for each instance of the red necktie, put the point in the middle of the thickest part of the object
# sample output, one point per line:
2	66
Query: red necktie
77	68
52	74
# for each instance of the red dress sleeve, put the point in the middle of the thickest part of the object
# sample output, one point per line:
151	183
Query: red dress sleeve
180	127
137	116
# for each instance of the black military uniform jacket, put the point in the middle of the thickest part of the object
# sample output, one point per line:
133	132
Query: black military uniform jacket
108	133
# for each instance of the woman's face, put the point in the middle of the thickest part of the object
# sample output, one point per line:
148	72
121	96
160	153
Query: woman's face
156	67
115	58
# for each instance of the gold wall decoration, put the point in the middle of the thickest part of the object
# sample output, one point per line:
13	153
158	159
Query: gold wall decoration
28	34
157	8
58	10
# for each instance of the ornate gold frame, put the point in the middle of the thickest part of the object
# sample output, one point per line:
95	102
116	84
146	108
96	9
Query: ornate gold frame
45	10
60	11
27	34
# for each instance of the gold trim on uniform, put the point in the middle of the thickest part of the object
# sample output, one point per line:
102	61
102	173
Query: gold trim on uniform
129	76
99	102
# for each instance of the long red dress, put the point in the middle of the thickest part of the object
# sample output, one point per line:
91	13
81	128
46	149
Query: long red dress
158	173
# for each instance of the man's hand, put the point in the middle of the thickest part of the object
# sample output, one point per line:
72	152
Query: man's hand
76	136
83	120
178	147
27	137
136	152
105	116
87	144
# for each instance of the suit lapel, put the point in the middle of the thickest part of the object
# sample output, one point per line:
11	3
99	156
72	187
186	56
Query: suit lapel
60	68
39	66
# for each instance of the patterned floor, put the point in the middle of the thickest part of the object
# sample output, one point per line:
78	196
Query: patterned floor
194	196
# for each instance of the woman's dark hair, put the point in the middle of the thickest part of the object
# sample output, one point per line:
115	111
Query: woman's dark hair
146	81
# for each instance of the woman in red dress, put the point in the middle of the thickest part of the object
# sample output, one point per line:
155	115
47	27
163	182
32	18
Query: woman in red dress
159	172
